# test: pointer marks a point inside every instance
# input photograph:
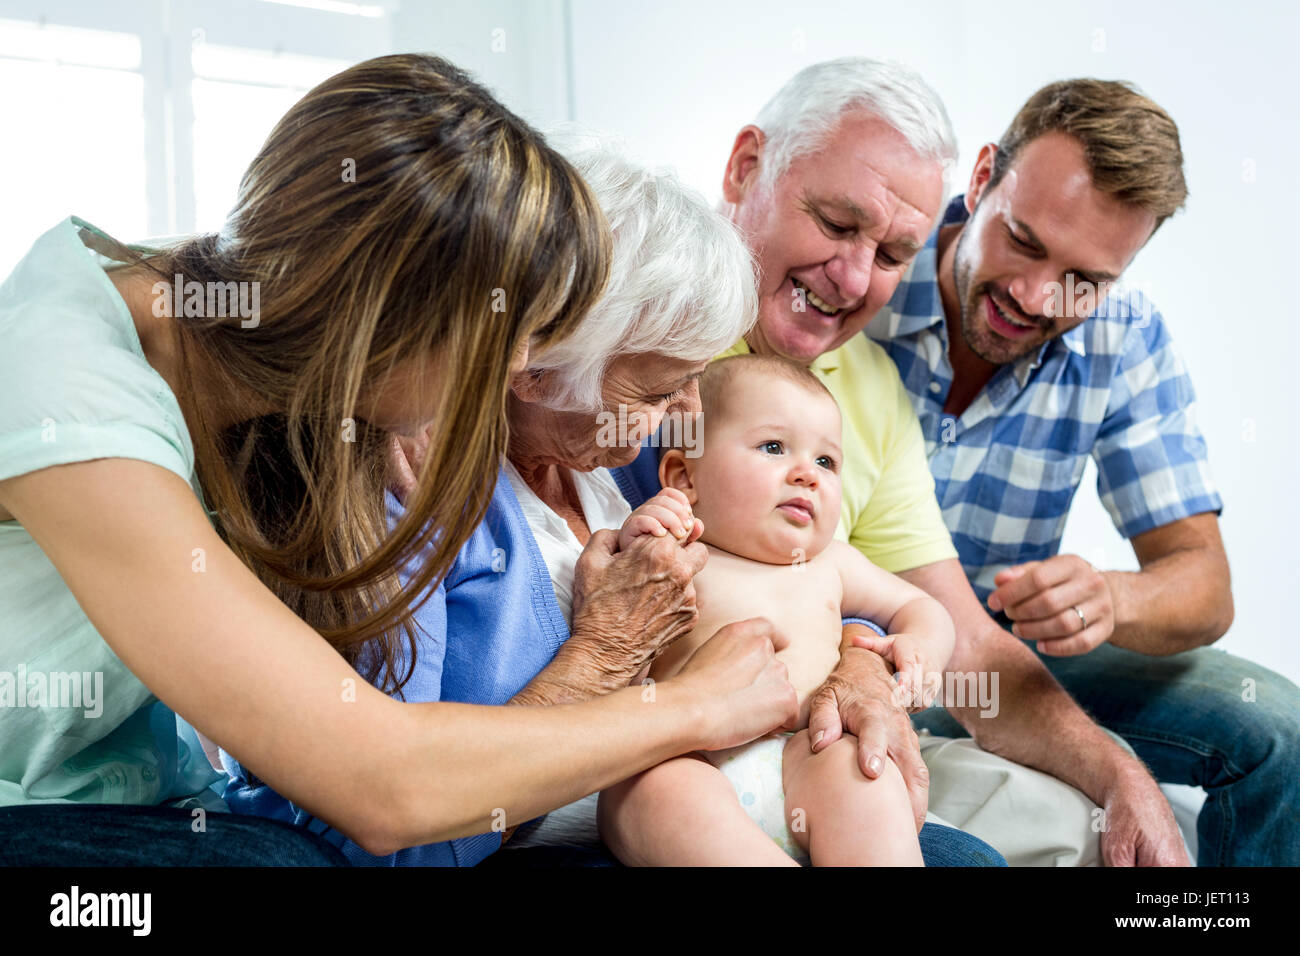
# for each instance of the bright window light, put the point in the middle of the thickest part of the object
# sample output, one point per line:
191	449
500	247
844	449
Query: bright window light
74	140
23	40
239	96
335	6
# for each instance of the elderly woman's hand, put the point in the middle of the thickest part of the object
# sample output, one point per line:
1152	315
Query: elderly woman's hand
628	605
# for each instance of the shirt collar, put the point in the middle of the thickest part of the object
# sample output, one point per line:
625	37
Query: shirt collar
823	363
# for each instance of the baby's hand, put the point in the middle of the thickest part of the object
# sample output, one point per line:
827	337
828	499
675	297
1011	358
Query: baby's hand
667	513
918	678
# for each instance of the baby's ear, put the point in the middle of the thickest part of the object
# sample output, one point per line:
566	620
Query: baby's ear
673	473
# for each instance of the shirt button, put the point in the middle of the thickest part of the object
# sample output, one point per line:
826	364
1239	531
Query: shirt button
936	388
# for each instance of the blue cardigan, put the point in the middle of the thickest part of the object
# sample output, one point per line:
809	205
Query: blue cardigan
499	609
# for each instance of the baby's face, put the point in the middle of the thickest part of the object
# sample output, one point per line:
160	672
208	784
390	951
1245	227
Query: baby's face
768	482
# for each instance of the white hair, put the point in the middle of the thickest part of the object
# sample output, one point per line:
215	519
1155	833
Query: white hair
806	111
681	284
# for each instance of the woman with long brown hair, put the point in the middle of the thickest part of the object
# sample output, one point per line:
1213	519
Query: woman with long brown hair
193	461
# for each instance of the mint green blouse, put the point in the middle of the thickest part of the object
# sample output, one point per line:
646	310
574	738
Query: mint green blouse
75	724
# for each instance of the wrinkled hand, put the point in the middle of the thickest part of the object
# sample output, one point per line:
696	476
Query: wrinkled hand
917	678
858	698
745	691
1138	826
629	605
1041	598
667	513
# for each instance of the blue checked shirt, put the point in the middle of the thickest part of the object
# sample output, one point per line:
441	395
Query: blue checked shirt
1006	469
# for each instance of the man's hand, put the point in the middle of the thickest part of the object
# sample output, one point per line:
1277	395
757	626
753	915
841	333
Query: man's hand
919	681
1063	603
858	698
1138	826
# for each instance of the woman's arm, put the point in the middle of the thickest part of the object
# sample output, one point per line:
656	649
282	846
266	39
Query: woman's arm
222	651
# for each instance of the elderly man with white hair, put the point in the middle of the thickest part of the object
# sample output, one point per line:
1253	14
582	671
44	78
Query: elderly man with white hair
836	187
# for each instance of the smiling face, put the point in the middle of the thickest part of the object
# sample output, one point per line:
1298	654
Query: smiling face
768	484
835	234
637	391
1043	221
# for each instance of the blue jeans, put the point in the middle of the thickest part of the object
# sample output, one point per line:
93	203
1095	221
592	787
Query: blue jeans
1203	718
940	846
115	835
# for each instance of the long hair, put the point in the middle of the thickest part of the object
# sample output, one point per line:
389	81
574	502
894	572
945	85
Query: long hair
397	219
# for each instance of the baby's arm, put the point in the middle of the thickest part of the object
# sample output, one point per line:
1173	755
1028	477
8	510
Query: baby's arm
921	635
666	513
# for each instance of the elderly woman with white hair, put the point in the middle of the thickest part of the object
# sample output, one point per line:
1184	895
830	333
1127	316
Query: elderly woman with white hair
541	605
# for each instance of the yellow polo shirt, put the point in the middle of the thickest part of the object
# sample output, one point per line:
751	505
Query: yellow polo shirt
889	511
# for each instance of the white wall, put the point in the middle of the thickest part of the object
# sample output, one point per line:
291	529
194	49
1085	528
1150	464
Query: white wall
679	78
515	47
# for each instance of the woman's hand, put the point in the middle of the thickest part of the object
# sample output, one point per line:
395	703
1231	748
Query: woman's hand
629	605
746	692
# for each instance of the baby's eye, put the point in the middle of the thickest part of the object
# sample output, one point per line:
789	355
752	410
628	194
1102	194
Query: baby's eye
772	447
827	462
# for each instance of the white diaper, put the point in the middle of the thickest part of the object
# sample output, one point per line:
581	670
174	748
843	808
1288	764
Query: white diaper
754	770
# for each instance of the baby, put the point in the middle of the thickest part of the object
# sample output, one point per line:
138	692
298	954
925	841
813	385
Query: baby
767	491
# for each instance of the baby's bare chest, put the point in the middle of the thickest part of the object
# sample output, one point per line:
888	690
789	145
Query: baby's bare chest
799	595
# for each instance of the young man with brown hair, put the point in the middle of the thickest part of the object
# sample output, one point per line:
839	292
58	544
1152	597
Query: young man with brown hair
1023	356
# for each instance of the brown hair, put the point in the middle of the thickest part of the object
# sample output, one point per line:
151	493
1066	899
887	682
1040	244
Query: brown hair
719	375
460	234
1130	143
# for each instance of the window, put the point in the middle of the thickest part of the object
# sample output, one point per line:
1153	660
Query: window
239	95
73	132
141	116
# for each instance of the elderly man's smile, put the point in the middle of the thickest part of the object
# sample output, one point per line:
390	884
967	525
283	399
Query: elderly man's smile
814	300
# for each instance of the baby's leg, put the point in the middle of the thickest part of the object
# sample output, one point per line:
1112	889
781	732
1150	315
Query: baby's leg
839	816
683	812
